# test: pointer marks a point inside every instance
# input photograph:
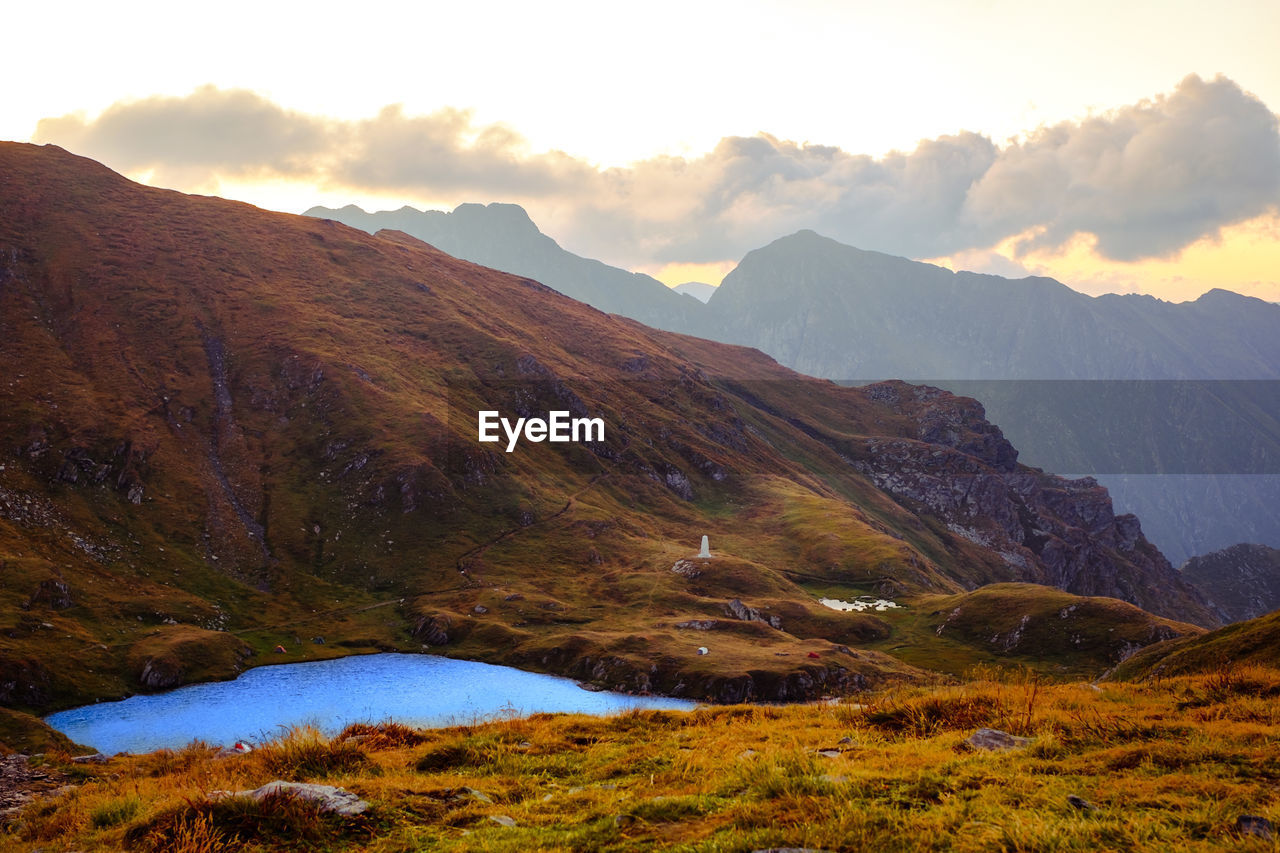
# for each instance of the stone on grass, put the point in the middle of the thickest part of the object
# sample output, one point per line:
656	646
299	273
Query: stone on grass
327	798
502	820
1079	803
996	740
1252	824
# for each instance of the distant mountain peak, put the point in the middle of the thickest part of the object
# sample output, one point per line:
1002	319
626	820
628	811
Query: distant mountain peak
1224	297
699	290
497	213
504	237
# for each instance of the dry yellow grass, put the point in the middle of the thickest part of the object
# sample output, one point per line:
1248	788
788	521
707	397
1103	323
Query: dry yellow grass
1165	766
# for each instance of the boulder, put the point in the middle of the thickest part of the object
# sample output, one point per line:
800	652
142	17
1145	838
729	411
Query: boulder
327	798
1255	825
995	740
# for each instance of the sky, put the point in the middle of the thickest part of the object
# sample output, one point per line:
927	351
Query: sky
1117	147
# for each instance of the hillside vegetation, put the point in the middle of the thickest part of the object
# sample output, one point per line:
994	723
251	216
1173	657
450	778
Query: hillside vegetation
1256	642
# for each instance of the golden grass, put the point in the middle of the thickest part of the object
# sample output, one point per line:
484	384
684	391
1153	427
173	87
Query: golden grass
1167	765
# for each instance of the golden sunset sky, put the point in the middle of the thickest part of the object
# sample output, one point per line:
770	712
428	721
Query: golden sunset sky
1116	147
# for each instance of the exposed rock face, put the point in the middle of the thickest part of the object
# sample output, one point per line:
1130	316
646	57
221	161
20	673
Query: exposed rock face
434	629
806	682
23	682
738	610
53	593
160	674
1048	529
1242	581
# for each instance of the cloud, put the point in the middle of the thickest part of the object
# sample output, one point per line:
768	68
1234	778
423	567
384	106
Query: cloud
1146	180
445	153
1142	181
193	140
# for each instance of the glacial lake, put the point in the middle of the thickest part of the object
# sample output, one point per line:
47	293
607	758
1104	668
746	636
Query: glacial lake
418	690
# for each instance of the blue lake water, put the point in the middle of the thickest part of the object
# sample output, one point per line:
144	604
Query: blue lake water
418	690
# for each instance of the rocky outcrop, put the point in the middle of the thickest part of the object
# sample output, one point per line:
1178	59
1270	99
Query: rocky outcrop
52	593
21	782
23	682
1047	529
738	610
849	671
802	684
440	628
183	654
1242	581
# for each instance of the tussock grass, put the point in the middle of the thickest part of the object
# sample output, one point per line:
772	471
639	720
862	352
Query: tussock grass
388	735
303	752
889	773
281	822
115	812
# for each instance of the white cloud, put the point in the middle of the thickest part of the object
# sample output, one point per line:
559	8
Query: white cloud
1143	181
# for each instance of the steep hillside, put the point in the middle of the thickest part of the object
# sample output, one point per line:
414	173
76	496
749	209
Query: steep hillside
1243	580
231	436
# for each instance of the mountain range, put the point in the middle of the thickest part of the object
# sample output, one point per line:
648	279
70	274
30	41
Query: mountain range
834	311
231	436
502	236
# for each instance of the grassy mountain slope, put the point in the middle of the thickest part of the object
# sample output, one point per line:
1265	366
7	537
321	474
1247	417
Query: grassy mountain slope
1240	644
1039	627
228	435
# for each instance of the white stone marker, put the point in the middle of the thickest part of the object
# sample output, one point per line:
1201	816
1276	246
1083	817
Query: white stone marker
706	548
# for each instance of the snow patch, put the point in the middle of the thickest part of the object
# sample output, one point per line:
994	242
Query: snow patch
863	602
